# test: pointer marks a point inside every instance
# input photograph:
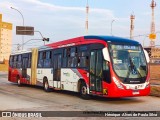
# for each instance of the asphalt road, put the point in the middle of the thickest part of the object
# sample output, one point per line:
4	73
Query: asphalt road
29	98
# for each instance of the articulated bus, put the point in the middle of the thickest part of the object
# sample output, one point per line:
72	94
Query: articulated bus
105	66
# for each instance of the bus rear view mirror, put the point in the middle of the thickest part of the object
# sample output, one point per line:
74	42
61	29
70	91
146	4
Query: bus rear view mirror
146	55
106	54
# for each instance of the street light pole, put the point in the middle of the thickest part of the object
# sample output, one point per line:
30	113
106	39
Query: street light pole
144	39
41	35
111	26
23	23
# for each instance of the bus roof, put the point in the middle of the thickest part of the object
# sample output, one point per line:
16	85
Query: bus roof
113	39
71	42
83	39
20	52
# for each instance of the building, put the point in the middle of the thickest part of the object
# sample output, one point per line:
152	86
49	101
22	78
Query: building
154	54
5	40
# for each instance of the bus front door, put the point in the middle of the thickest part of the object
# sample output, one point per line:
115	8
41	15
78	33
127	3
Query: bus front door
24	67
96	61
57	70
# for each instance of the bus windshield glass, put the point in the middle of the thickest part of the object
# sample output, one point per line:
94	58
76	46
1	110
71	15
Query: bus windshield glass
129	63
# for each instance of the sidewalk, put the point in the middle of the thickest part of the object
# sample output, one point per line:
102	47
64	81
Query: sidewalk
3	72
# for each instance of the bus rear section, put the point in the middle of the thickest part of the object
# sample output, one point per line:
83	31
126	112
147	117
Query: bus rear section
23	67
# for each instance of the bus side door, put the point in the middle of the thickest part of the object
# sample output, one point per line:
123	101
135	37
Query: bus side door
96	62
24	65
57	61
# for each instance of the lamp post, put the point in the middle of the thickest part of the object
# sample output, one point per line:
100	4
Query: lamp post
144	39
111	26
23	23
43	38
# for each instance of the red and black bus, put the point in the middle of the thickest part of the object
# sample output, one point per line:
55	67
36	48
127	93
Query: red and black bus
105	66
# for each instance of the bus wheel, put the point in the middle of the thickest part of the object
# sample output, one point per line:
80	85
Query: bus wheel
83	91
19	82
46	86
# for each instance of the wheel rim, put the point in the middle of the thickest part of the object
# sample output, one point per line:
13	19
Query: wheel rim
19	82
84	90
46	85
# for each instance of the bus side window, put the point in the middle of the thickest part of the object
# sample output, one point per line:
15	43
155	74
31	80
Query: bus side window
68	56
72	57
15	61
19	61
83	59
44	55
64	63
47	59
11	61
106	72
29	60
105	65
68	52
40	60
25	61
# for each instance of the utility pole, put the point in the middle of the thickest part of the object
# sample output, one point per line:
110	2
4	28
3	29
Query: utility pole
111	26
23	22
152	36
132	17
18	46
87	13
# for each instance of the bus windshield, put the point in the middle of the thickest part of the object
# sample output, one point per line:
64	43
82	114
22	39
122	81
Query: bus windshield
129	63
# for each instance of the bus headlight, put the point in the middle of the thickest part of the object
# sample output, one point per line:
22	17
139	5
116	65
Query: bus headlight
118	84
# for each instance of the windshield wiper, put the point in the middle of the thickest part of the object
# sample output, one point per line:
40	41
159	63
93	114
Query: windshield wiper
133	67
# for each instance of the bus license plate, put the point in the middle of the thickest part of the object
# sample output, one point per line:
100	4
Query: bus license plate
135	92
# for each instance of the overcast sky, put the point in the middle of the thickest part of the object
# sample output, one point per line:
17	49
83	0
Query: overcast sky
64	19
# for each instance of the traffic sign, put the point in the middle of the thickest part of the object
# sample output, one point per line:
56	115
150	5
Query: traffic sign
24	30
152	36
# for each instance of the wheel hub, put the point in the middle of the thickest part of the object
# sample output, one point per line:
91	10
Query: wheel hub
46	85
19	81
84	90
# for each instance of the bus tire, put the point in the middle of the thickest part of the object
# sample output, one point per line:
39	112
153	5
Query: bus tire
46	86
83	91
19	82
